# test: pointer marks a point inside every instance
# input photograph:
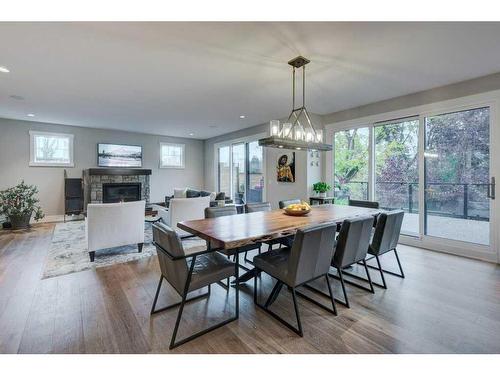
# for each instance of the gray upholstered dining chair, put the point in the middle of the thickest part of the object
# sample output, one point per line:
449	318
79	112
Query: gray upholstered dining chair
351	248
288	202
212	212
385	239
262	207
205	268
308	259
360	203
257	207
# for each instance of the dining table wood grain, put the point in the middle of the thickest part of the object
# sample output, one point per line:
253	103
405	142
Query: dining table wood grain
238	230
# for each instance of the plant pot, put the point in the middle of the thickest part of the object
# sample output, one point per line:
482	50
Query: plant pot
322	195
20	222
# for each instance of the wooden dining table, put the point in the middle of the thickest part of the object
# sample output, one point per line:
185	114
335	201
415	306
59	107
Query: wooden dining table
235	231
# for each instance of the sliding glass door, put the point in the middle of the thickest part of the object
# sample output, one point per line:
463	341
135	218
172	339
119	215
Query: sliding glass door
396	169
255	176
224	169
457	176
240	172
434	166
351	167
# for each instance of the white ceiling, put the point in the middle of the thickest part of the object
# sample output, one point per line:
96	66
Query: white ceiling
176	78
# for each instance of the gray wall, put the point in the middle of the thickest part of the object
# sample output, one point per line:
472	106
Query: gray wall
275	191
14	160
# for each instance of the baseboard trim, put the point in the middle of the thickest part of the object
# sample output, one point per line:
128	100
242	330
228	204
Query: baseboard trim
449	249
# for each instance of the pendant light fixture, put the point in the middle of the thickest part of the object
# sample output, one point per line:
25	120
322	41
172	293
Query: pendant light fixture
297	132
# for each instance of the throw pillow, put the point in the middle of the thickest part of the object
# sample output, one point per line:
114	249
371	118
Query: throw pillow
180	193
192	193
220	196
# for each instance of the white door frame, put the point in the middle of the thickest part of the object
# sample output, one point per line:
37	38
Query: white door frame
490	99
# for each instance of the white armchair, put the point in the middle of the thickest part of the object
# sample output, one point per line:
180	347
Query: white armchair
182	209
114	224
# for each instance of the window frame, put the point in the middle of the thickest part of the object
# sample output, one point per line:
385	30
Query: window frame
33	163
183	156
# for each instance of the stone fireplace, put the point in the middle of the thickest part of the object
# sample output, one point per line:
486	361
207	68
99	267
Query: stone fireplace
119	184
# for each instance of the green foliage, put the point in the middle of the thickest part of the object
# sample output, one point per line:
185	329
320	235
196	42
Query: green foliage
321	187
20	201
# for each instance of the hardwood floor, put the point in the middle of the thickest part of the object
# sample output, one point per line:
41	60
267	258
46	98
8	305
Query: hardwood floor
446	304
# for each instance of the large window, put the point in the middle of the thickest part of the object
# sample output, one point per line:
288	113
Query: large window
434	167
396	169
255	176
457	175
171	155
224	169
240	171
51	149
351	164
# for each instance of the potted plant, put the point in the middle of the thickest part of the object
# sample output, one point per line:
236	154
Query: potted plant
321	188
19	203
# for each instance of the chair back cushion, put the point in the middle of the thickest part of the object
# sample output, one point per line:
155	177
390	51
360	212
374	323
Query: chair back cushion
311	253
288	202
359	203
353	241
114	224
175	271
258	207
211	212
387	232
182	209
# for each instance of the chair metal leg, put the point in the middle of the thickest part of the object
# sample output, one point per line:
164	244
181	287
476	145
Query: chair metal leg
368	276
156	295
333	310
401	274
297	315
173	343
255	290
384	285
276	316
368	279
346	303
331	294
237	286
274	294
399	264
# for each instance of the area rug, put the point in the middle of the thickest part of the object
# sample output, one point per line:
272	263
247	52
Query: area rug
68	250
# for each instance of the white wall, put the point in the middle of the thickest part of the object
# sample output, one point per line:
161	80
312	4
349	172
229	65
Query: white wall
14	160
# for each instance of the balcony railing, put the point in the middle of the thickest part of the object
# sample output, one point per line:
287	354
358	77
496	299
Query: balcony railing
457	200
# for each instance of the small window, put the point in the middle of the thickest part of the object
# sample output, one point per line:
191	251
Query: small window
171	155
51	149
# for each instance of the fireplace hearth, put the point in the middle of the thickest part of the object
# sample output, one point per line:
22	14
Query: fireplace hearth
121	192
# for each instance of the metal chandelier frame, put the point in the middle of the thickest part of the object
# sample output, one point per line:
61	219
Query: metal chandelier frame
286	140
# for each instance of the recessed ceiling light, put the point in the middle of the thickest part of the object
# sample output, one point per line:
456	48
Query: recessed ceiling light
3	69
242	116
31	115
191	134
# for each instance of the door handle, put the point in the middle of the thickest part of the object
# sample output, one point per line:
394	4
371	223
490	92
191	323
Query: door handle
491	189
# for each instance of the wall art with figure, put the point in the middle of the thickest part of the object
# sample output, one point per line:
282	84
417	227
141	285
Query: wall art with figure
286	167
